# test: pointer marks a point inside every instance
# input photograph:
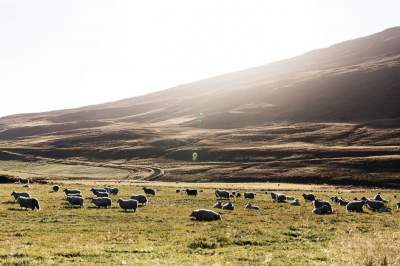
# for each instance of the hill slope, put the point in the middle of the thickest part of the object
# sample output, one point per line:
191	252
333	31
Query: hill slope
353	81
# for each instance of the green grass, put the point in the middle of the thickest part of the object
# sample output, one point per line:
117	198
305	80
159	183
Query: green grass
57	170
162	233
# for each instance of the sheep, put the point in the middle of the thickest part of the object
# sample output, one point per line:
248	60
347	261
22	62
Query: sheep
129	204
277	197
295	202
319	203
222	194
249	206
228	206
324	209
355	206
112	190
102	194
218	205
290	198
75	201
142	199
378	197
24	181
375	205
74	195
28	203
249	195
56	188
149	191
16	195
309	197
178	191
191	192
205	215
71	191
101	202
98	190
398	205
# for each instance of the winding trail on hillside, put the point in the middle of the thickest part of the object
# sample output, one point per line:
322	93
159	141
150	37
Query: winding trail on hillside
154	172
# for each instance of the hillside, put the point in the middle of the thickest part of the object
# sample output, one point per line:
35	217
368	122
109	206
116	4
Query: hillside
330	115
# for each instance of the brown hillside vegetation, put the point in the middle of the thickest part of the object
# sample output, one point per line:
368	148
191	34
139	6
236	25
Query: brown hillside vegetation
328	116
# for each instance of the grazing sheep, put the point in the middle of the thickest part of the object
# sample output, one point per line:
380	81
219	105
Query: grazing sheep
249	206
112	190
378	197
71	191
355	206
374	205
129	204
75	201
191	192
142	199
56	188
98	190
319	203
222	194
290	198
218	205
75	195
249	195
102	194
102	202
295	202
309	197
16	195
149	191
324	209
342	202
274	196
28	203
228	206
205	215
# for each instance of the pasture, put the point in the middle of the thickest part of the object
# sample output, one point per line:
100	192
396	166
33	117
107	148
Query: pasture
162	232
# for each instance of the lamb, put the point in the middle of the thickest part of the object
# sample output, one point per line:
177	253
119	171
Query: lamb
295	202
249	206
75	201
142	199
309	197
191	192
56	188
112	190
228	206
16	195
205	215
218	205
101	202
249	195
324	209
222	194
149	191
129	204
71	191
355	206
28	203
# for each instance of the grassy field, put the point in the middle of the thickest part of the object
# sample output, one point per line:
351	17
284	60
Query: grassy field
51	170
162	233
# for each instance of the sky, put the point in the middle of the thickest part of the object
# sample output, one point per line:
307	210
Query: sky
57	54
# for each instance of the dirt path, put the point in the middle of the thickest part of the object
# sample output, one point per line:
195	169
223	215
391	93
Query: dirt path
154	173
